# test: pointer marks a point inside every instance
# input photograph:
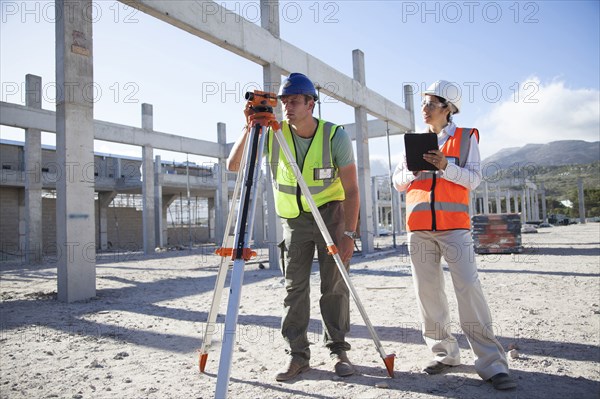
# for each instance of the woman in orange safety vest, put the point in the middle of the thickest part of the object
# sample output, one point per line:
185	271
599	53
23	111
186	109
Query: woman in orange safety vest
438	224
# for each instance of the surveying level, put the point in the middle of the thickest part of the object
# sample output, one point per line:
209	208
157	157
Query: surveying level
263	118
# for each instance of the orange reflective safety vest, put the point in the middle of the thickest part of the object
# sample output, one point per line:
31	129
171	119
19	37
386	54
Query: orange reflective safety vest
433	203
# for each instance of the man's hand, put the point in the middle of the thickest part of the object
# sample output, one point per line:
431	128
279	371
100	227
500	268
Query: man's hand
248	112
346	248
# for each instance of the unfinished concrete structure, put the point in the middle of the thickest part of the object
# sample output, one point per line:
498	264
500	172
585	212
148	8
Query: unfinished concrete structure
75	129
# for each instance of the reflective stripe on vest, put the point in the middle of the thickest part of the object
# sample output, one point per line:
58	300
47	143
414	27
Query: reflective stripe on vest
433	203
318	156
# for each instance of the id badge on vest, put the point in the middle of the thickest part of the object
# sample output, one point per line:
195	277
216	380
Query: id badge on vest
452	160
323	173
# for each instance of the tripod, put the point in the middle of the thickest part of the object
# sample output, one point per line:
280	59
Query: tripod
262	104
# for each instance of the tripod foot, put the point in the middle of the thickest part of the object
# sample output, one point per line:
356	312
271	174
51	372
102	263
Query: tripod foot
389	364
202	361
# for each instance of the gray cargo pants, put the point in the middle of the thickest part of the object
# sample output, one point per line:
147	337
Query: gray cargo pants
301	235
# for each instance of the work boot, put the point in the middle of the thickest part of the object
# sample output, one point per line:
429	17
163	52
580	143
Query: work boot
342	367
502	381
435	367
294	366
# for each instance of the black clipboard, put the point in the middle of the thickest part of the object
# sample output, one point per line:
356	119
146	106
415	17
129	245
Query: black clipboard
417	144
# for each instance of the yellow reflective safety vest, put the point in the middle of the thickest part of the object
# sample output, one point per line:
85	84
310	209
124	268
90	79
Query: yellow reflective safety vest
318	171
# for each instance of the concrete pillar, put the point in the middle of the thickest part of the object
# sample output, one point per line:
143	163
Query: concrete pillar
498	202
536	205
581	199
516	202
104	200
524	210
409	104
148	216
508	201
272	81
75	230
544	214
158	208
22	215
397	212
486	199
167	200
269	16
375	206
222	193
211	216
33	176
472	202
529	205
362	159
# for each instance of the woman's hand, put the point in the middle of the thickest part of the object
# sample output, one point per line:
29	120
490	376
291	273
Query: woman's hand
436	158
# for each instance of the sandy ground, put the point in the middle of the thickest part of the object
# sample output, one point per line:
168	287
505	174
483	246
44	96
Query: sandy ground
138	338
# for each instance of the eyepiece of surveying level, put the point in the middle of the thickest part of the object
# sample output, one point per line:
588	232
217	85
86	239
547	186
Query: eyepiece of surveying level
261	98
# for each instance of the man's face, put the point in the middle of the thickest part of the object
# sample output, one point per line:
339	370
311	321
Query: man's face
297	107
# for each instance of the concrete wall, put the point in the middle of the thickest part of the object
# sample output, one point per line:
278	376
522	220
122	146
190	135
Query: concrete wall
124	226
9	220
180	235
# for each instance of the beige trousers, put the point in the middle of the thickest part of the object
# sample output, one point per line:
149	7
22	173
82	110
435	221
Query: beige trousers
426	249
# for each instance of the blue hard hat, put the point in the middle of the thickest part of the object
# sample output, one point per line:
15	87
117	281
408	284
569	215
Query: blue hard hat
297	83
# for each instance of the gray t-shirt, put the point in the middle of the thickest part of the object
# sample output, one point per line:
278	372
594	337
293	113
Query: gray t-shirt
341	148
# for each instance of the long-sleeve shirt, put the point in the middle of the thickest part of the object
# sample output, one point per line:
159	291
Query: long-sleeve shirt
469	176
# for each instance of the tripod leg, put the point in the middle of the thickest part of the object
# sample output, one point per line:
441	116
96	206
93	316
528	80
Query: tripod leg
222	273
245	220
388	360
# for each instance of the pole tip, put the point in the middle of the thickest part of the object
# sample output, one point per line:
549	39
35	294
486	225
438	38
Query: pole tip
203	359
389	364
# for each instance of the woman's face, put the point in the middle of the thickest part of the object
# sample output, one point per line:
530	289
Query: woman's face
433	111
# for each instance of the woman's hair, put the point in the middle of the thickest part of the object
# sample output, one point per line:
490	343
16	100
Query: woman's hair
446	105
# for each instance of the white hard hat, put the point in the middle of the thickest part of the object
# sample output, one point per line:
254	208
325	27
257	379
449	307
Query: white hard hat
449	91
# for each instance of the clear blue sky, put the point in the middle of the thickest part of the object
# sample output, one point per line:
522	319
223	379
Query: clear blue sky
529	70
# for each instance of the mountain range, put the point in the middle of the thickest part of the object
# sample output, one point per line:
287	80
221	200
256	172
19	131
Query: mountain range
556	153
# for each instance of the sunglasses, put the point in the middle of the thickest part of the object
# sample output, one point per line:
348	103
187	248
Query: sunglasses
432	105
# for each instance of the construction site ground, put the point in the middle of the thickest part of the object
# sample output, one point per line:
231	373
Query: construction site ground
139	336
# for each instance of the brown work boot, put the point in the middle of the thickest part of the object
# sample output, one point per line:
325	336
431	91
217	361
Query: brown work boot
342	367
294	366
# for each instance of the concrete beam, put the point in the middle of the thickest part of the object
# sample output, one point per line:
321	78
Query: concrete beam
30	118
214	23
